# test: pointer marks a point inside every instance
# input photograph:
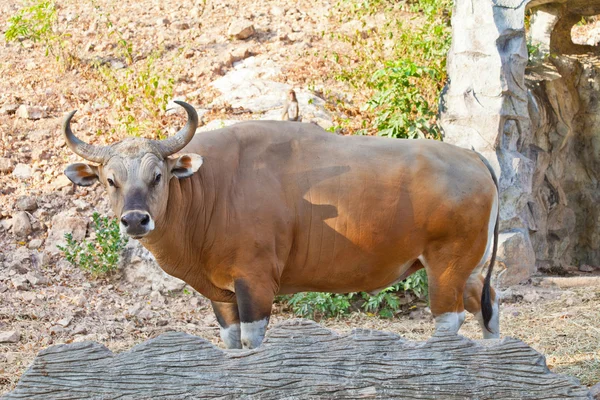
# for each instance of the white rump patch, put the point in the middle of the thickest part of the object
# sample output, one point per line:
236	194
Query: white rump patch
490	238
253	333
449	322
231	336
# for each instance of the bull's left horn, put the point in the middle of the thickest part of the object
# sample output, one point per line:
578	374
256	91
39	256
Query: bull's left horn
89	152
175	143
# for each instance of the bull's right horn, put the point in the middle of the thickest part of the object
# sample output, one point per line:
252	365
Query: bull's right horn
175	143
91	153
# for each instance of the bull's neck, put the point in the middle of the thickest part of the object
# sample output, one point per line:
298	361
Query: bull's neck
190	209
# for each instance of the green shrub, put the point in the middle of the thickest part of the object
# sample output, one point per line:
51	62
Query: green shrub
406	79
386	303
38	22
138	95
101	256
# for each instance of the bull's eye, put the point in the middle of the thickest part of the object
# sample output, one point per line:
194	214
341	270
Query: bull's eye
157	178
110	182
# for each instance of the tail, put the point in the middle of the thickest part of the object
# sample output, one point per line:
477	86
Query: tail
486	300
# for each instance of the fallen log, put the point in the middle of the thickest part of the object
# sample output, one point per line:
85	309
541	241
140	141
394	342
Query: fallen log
299	359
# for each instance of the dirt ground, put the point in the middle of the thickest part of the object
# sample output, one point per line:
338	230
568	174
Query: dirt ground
60	304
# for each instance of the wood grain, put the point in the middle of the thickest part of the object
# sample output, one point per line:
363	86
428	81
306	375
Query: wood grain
298	360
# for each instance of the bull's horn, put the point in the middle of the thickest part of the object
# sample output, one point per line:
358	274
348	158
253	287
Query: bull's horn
175	143
89	152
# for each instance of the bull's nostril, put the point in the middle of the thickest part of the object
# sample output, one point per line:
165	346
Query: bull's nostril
145	220
124	222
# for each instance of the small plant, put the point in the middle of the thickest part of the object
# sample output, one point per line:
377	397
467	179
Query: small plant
401	64
102	256
39	23
138	93
317	305
386	303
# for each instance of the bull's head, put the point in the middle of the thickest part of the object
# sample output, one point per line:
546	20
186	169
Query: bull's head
135	172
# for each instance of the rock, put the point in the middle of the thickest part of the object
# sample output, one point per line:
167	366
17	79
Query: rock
134	310
57	330
181	26
22	171
9	109
36	279
595	391
531	297
61	181
19	282
140	268
586	268
163	22
516	251
3	287
6	224
63	223
64	322
241	29
21	224
26	203
30	112
81	205
6	166
40	153
10	337
79	330
35	244
276	11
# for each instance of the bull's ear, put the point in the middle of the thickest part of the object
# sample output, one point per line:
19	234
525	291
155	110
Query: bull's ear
82	174
185	165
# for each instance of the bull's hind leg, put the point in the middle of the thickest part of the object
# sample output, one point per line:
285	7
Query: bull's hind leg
229	322
472	301
447	274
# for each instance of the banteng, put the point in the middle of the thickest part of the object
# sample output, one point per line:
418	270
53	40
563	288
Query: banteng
264	208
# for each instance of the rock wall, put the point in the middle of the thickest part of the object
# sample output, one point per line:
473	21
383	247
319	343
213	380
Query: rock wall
539	134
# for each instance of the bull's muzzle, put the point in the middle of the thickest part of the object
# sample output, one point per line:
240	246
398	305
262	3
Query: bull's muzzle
136	224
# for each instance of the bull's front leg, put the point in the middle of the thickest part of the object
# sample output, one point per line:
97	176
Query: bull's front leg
229	323
254	300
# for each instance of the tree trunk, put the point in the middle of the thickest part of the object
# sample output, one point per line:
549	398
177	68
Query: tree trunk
299	359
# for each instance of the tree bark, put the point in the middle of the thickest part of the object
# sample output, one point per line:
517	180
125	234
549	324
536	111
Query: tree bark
298	360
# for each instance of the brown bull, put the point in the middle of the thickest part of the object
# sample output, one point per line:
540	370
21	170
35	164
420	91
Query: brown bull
265	208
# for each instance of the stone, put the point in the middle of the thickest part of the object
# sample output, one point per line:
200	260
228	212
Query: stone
22	171
10	337
181	26
9	109
6	165
241	29
140	268
30	112
516	251
19	282
36	279
26	203
35	244
21	224
595	391
163	22
79	330
64	322
61	181
586	268
62	223
57	330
